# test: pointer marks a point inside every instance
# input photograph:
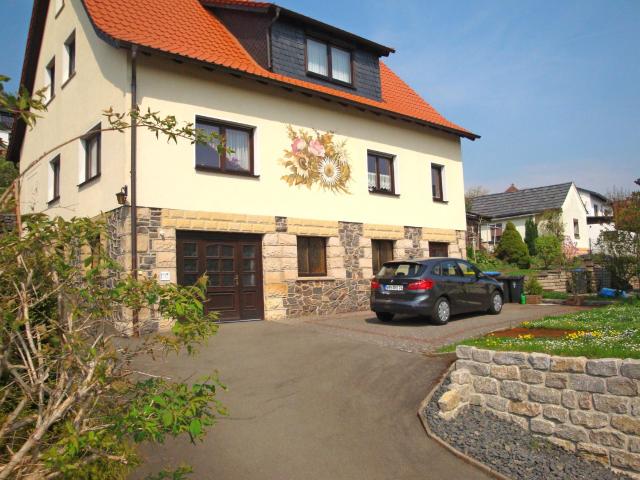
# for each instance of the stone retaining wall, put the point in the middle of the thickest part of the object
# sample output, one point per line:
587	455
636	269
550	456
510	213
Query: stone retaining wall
553	280
590	407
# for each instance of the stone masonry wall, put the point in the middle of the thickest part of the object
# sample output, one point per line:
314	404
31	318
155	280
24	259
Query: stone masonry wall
348	256
346	288
587	406
553	280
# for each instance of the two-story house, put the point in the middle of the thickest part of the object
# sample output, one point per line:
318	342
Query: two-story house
334	166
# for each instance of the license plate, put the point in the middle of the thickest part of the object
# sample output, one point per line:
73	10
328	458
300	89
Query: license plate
393	288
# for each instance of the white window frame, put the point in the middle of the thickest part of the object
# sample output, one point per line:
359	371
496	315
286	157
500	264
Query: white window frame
50	80
330	47
51	178
443	178
58	6
66	75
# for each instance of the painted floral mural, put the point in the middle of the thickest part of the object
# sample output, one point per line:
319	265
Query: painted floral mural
316	159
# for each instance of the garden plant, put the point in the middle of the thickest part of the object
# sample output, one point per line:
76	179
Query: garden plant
72	403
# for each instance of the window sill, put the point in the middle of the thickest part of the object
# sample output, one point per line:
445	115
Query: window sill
330	80
439	200
64	84
202	168
383	192
89	181
310	279
53	201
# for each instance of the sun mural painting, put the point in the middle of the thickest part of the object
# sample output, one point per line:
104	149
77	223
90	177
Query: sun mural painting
316	159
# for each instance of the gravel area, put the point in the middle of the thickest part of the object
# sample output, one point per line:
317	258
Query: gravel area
508	449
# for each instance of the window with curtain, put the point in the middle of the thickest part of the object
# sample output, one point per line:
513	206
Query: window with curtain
317	59
238	140
436	182
328	61
380	173
340	65
92	144
312	257
576	228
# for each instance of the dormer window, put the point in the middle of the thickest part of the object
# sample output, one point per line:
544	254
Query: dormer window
328	61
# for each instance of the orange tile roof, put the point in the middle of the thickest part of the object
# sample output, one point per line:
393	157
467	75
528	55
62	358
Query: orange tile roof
187	29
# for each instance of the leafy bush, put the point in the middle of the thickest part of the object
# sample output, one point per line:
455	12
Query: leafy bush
549	249
555	295
532	286
619	253
484	261
512	248
550	223
530	235
72	405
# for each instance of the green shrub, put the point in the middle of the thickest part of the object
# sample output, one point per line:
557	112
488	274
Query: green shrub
532	286
549	249
470	253
530	235
555	295
512	248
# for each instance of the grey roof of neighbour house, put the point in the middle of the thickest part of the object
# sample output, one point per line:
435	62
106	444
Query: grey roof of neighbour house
523	202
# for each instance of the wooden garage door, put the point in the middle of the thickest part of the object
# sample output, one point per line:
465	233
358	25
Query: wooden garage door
233	264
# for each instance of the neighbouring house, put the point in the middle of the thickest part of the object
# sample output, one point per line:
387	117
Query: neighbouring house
6	123
518	205
474	227
337	165
599	215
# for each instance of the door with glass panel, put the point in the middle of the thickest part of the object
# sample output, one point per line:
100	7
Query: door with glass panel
233	267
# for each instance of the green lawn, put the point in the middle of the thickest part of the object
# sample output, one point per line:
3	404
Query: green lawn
612	331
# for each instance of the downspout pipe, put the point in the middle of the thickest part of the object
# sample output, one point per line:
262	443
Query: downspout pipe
269	44
133	179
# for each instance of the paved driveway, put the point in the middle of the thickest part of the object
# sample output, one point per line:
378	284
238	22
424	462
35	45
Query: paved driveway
415	334
309	405
325	398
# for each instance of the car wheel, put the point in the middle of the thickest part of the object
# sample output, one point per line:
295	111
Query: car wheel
384	316
441	311
495	303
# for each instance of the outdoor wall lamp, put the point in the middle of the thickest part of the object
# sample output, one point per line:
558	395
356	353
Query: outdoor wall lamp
121	196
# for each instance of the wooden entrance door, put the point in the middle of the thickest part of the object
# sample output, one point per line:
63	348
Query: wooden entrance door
233	265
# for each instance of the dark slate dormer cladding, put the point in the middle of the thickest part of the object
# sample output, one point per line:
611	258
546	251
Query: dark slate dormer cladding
288	58
251	29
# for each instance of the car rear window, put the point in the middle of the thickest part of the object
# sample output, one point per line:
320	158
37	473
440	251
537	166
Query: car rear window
401	269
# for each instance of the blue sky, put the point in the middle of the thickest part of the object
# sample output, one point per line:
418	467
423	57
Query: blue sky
551	86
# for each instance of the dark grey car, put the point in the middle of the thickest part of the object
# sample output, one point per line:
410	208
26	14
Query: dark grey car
433	287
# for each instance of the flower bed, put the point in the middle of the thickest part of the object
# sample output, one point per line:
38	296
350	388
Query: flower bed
612	331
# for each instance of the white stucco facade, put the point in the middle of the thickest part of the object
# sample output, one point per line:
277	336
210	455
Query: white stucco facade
100	82
574	218
166	171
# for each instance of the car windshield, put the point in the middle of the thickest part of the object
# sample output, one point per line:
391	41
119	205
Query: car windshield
400	269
